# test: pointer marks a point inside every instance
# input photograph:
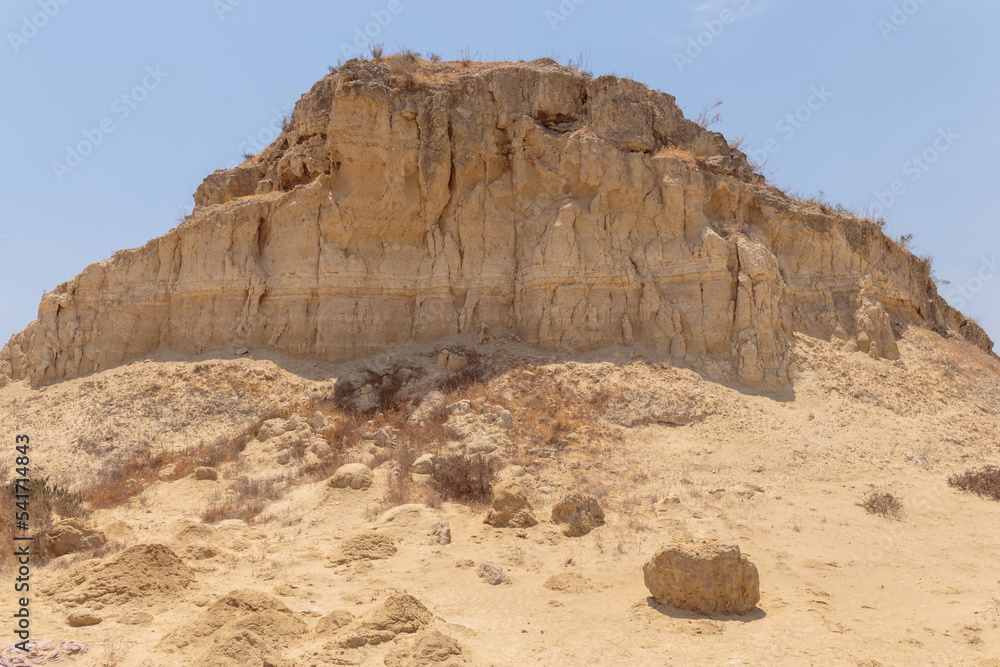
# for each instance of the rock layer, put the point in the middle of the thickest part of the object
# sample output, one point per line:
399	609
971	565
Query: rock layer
409	207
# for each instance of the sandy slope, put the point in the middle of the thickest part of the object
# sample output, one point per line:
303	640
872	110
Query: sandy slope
780	474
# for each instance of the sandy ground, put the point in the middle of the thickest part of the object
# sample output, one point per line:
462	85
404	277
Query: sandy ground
780	474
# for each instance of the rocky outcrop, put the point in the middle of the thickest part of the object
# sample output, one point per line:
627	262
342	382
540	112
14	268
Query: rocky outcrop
523	196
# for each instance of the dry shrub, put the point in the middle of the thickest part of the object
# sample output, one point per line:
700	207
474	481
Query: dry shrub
883	504
984	483
128	476
47	503
466	479
245	499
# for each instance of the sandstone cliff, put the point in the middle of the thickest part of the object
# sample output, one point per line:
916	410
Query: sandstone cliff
409	201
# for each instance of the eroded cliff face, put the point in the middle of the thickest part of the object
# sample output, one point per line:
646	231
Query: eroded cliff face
414	203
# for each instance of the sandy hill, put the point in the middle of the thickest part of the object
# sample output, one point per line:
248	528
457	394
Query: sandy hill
430	379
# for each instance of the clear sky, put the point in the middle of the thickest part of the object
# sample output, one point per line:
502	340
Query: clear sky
114	110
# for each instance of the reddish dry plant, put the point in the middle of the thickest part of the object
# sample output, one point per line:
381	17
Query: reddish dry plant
984	482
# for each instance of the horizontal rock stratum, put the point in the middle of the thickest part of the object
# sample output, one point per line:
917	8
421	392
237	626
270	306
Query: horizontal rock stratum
408	201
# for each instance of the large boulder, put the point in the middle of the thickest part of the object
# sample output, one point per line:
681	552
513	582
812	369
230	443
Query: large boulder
580	514
708	577
510	507
355	476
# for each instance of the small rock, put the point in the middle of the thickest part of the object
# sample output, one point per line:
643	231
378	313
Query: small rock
319	421
79	618
510	507
205	473
493	575
575	465
355	476
423	465
320	447
167	473
270	429
505	420
545	489
442	533
686	482
581	514
284	457
383	437
462	407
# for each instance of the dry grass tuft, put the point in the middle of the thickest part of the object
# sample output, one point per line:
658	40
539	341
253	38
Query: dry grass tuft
984	482
883	504
703	145
465	479
246	498
127	477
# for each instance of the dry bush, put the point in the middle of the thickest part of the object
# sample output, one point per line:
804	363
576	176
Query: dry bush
882	503
703	145
47	503
404	68
246	498
466	479
549	412
129	475
708	116
984	482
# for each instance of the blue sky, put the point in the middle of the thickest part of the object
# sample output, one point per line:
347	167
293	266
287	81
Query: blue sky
855	98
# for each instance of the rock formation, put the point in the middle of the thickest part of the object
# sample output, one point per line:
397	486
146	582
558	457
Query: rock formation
413	201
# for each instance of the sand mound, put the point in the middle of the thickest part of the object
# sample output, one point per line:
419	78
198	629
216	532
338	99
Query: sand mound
398	614
145	571
240	628
429	648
